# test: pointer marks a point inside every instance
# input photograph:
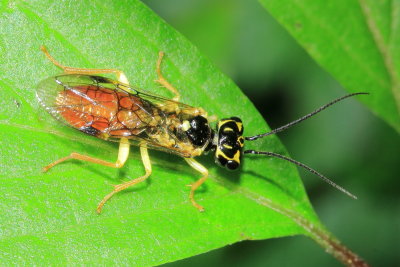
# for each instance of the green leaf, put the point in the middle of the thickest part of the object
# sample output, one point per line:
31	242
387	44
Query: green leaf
357	41
50	218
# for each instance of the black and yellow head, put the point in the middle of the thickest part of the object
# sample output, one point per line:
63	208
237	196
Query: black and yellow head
229	143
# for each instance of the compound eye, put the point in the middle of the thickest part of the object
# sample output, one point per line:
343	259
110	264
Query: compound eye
232	165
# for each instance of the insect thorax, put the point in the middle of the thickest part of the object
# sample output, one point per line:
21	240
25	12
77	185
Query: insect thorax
185	131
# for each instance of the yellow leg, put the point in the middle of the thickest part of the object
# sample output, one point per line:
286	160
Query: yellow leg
117	188
122	157
161	80
200	168
121	77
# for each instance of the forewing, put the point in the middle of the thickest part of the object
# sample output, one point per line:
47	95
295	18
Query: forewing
67	99
49	91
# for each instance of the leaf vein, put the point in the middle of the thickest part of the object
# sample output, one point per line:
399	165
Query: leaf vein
383	50
340	40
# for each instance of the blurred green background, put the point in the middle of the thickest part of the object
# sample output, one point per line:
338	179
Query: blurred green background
347	142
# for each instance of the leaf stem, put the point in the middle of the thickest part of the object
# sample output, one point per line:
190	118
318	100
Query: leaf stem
315	231
331	244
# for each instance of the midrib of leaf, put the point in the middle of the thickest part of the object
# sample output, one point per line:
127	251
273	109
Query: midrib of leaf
315	231
383	50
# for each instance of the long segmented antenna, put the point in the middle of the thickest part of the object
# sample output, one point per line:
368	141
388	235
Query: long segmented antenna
284	127
327	180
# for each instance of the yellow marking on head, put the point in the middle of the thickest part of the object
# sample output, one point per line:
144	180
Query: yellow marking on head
239	125
241	141
218	153
227	146
228	130
235	157
220	123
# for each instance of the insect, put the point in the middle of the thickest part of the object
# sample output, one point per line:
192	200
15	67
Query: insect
116	111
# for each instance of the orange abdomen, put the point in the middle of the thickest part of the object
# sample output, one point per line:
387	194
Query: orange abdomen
100	111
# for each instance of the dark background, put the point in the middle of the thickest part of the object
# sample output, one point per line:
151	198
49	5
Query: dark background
347	142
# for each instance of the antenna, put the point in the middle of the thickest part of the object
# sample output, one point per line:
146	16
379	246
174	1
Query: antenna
327	180
309	115
290	124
